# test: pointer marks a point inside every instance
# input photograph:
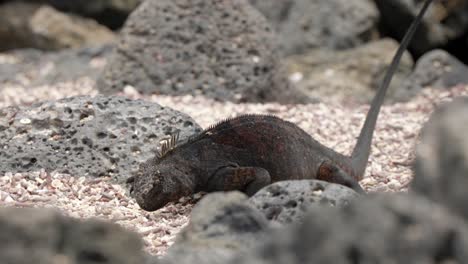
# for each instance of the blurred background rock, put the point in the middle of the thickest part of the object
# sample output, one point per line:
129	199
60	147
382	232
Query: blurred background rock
335	48
111	13
301	24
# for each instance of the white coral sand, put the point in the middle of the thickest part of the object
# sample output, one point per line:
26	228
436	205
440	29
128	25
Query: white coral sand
335	124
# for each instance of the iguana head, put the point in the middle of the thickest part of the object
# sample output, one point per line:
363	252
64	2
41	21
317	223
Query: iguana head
167	177
159	182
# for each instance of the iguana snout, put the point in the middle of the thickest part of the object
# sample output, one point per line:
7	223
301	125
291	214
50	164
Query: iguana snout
156	187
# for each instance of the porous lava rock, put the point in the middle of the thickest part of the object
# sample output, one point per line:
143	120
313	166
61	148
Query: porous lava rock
354	73
44	236
86	136
31	68
435	69
219	49
40	26
221	226
287	202
441	167
308	24
388	228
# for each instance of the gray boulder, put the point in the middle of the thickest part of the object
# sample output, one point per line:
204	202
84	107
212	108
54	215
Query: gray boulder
111	13
221	226
439	69
219	49
444	21
86	136
30	67
381	229
333	24
441	167
354	73
43	27
435	69
288	202
44	236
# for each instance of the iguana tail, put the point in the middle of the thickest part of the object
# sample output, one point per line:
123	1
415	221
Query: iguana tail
361	151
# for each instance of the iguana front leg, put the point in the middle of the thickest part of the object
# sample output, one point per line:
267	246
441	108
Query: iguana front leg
234	177
331	173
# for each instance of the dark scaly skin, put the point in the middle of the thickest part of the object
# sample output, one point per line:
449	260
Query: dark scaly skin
249	152
244	153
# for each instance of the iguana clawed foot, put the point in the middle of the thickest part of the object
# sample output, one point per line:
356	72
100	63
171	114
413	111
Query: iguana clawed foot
233	177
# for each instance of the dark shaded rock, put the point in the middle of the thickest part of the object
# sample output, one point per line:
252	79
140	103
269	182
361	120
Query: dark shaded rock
306	24
29	67
441	167
219	49
288	202
381	229
111	13
436	69
221	225
44	236
444	21
42	27
86	136
354	73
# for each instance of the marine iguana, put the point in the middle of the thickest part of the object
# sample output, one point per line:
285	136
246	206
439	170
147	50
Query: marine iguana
251	151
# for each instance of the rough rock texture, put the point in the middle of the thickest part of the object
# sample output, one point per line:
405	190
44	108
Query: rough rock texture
220	49
441	168
44	236
437	69
385	229
29	67
288	202
276	12
221	225
444	21
334	24
355	73
43	27
86	136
